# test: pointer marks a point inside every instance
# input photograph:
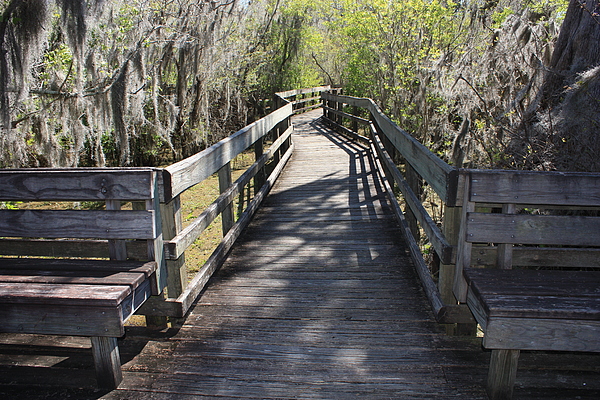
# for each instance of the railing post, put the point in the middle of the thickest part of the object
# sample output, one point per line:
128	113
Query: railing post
161	322
412	178
450	229
172	225
260	177
339	106
227	216
355	112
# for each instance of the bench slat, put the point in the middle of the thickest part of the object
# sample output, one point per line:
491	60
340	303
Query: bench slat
65	320
77	224
543	334
533	229
69	248
582	308
539	188
75	184
535	294
63	294
91	266
132	280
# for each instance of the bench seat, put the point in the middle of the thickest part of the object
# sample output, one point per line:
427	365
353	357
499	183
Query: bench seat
536	310
73	297
76	297
69	269
530	221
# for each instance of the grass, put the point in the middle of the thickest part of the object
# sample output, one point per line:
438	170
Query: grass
195	200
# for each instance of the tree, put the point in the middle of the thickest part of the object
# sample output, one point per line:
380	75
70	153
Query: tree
562	128
577	50
136	82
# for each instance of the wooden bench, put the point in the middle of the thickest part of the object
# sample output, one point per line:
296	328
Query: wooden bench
79	272
550	300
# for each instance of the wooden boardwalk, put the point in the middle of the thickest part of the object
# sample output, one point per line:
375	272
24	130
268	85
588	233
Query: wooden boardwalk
318	300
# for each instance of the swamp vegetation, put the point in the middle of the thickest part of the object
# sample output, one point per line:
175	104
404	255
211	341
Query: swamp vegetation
500	83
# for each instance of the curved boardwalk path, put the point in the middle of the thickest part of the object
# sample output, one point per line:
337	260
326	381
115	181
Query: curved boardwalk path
318	300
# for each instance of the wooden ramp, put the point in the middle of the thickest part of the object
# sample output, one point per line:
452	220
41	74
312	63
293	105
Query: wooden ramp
318	300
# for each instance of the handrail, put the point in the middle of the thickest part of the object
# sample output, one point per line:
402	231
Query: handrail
181	176
300	97
386	138
442	177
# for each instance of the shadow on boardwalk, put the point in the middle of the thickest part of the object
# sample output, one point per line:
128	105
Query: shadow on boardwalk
318	300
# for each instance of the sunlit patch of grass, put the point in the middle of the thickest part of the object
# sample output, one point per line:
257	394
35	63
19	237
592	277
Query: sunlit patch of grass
195	200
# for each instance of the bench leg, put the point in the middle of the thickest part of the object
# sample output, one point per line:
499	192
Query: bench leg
107	361
502	374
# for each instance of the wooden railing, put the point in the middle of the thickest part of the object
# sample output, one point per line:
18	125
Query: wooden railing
276	129
362	119
410	168
181	176
302	100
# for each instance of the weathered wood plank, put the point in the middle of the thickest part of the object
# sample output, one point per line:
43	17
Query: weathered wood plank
548	257
76	184
535	187
543	334
65	320
77	224
533	229
83	267
63	294
120	278
137	250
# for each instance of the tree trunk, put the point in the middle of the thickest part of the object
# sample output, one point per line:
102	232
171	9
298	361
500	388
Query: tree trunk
577	50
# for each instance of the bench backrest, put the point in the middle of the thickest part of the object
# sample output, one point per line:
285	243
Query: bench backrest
544	219
33	229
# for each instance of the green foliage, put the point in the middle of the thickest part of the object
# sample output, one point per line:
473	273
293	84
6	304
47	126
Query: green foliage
499	16
387	46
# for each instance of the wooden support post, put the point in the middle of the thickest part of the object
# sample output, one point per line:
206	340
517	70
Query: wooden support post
502	374
117	249
450	228
412	179
107	362
276	133
227	216
288	142
260	177
159	322
156	253
172	224
355	112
